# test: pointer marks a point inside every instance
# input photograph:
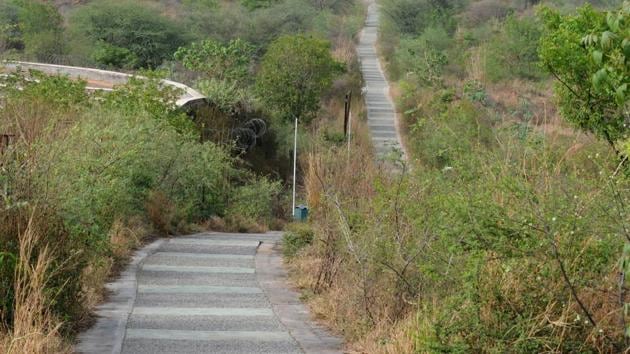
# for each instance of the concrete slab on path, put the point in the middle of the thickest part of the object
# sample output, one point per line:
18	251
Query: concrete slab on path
381	112
207	293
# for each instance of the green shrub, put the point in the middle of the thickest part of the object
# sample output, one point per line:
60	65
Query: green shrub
254	200
85	167
513	51
31	27
423	58
412	17
334	137
296	237
127	34
446	140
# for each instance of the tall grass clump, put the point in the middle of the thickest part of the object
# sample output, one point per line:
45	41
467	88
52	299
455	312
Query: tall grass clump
35	328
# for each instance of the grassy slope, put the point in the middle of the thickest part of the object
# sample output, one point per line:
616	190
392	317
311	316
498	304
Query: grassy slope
466	253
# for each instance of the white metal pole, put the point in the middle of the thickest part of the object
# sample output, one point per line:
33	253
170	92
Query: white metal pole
294	162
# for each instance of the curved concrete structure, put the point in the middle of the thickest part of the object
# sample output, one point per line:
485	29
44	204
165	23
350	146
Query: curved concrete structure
103	79
381	111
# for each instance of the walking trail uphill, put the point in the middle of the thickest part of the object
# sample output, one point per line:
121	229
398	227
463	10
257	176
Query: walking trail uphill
381	112
206	293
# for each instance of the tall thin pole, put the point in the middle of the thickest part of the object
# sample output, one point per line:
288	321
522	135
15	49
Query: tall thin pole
349	130
294	162
349	114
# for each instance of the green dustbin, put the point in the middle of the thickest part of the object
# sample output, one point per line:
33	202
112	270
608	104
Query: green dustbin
301	213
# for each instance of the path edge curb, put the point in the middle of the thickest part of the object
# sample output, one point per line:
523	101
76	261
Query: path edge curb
113	315
272	277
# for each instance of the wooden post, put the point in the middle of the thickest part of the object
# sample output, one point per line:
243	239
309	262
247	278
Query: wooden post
346	113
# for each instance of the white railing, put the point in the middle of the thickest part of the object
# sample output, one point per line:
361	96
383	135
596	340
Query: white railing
99	79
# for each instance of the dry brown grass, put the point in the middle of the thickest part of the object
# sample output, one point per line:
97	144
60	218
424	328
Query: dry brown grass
127	236
93	279
237	223
161	212
35	329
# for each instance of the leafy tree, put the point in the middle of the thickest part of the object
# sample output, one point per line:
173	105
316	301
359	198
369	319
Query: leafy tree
32	26
589	55
224	69
113	56
219	61
10	37
513	52
294	73
424	56
413	16
127	34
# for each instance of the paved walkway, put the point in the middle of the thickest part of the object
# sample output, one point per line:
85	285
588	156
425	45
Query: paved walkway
380	107
206	293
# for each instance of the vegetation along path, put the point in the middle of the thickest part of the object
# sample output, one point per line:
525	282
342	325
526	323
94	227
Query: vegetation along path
380	107
206	293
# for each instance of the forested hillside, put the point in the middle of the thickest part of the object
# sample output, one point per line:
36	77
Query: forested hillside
506	230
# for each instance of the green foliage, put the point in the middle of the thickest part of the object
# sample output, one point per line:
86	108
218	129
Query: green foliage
227	96
90	163
127	34
60	92
230	61
254	200
474	91
224	70
589	54
131	155
200	5
113	56
10	36
483	228
148	95
334	137
32	27
513	51
424	57
412	17
296	237
286	17
258	26
443	141
295	72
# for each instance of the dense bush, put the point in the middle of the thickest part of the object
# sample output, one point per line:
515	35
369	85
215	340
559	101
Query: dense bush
296	237
91	172
412	17
423	58
126	34
513	51
31	27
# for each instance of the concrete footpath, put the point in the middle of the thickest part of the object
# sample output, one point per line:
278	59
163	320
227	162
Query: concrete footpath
381	112
206	293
